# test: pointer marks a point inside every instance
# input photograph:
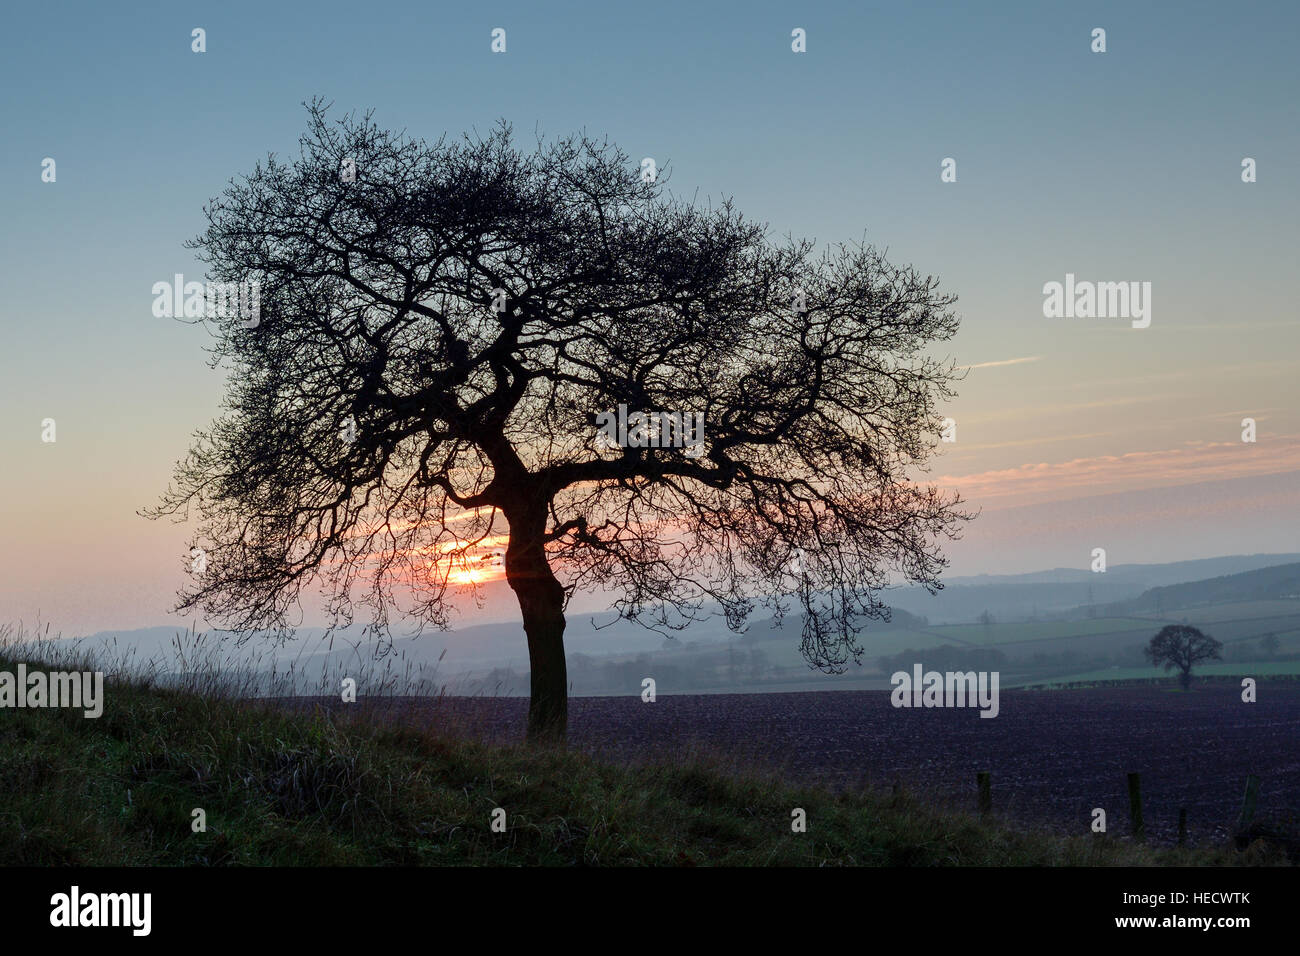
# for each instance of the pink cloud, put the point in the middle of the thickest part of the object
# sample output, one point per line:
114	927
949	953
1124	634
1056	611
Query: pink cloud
1039	482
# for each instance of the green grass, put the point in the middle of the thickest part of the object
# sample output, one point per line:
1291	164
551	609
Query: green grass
1227	669
1210	614
292	788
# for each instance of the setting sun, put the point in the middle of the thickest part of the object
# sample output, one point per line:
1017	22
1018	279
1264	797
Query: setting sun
475	575
479	568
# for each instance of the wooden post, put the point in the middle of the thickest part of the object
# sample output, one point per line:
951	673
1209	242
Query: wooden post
986	792
1135	806
1182	827
1248	804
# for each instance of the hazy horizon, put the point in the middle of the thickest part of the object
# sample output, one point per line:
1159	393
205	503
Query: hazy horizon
587	607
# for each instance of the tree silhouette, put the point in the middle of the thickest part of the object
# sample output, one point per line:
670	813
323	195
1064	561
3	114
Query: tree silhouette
442	329
1180	646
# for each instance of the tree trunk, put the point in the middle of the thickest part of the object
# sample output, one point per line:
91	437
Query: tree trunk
541	601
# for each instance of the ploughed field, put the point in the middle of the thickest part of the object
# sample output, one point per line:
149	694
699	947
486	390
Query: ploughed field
1053	755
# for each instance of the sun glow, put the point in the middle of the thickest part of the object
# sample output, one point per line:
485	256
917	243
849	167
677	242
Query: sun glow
479	566
478	575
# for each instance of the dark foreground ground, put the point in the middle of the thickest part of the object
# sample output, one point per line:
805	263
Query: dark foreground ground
1053	755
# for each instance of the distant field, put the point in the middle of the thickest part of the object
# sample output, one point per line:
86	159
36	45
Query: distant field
1246	669
1241	610
1229	622
1247	628
880	643
1033	630
1036	652
783	645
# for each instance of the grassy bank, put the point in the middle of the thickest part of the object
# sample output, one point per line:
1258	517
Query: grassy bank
286	788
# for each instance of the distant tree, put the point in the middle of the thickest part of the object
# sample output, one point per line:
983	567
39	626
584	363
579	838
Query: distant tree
442	332
1181	646
1270	644
987	619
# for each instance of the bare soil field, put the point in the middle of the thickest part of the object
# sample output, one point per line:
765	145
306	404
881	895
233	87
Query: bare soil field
1053	755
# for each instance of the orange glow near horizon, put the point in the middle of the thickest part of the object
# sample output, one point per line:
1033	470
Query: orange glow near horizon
476	575
485	563
481	568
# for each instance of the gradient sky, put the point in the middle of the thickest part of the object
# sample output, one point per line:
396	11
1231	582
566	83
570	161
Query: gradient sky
1072	433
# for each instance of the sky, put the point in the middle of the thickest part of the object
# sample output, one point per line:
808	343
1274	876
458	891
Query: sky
1071	433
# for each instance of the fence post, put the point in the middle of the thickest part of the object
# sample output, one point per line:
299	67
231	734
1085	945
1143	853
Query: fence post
986	792
1248	804
1135	806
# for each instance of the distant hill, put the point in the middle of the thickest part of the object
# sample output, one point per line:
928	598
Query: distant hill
1151	575
1041	594
1281	582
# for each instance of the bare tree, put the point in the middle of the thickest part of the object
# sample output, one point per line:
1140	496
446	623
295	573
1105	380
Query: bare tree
1182	647
442	329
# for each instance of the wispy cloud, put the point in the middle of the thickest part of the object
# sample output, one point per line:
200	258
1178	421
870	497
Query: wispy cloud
1058	481
1000	362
